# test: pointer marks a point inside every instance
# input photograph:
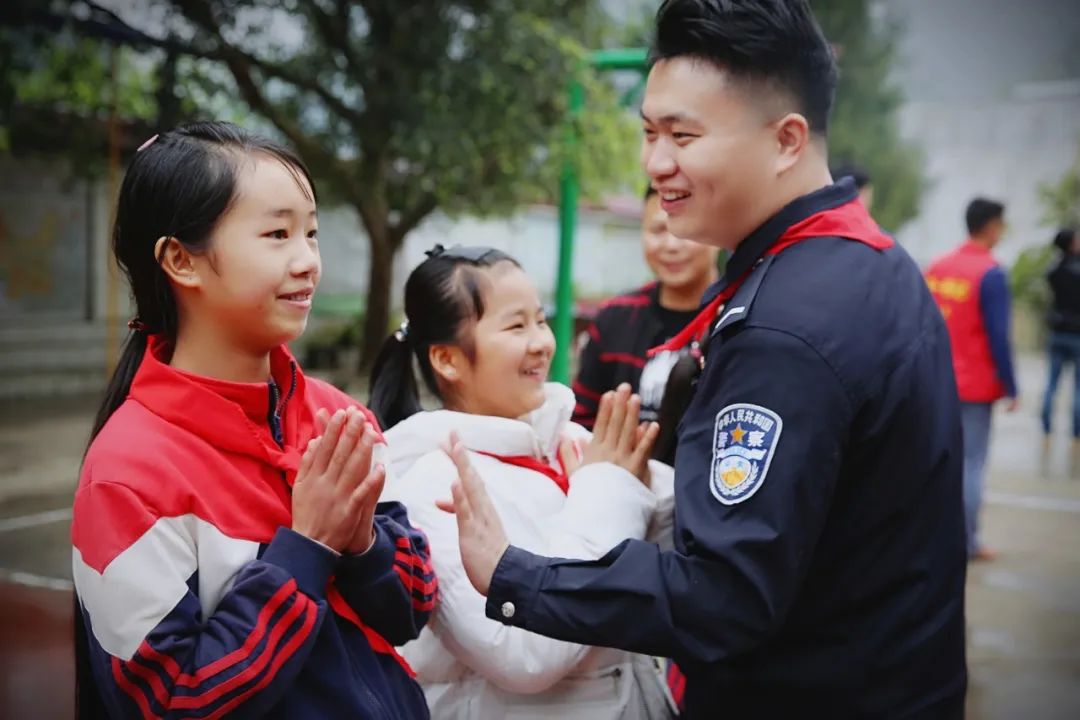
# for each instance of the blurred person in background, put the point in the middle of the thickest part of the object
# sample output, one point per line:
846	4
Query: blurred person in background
972	291
628	326
1064	348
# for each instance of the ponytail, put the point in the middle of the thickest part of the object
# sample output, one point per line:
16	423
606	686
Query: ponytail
119	386
394	394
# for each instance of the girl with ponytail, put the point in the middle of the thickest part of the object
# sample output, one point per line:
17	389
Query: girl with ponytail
229	554
477	337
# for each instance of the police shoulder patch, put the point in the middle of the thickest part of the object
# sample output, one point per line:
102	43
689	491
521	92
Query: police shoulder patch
744	441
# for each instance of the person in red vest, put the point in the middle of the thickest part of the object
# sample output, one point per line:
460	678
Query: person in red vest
972	291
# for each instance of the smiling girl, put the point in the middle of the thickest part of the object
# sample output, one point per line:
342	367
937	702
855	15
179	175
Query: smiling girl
477	333
226	563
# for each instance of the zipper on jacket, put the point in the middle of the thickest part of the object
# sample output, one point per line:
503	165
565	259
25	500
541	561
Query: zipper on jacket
277	407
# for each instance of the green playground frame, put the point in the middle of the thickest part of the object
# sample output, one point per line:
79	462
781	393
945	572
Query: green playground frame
602	60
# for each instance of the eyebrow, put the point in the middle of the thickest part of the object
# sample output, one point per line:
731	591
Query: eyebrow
287	212
669	119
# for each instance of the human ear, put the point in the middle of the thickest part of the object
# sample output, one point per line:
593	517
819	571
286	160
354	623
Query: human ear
792	136
177	262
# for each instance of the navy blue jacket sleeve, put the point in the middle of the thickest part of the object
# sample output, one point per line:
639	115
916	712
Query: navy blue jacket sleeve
391	587
739	566
994	305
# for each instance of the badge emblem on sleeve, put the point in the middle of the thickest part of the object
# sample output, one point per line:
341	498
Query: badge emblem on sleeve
744	442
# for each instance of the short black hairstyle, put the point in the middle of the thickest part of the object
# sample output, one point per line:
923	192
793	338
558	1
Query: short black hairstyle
774	44
856	172
981	212
1063	240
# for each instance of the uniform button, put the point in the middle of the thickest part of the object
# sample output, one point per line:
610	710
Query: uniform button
508	610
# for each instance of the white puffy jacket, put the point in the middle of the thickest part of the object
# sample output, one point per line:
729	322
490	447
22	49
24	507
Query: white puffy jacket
476	668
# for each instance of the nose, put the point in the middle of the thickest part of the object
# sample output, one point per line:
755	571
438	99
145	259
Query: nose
306	260
658	158
541	341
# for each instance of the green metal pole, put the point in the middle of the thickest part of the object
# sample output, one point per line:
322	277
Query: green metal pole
614	59
568	201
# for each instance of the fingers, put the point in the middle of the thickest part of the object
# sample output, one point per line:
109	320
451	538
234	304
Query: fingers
322	417
644	448
358	465
347	440
618	411
306	459
568	455
367	492
628	432
603	416
327	442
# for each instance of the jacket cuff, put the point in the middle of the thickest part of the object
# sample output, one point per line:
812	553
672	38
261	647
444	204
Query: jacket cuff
310	562
514	587
373	562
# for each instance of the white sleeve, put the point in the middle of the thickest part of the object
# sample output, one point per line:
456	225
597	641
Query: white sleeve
662	524
606	505
513	659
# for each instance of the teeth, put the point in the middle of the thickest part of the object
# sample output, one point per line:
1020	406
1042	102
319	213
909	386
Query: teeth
674	195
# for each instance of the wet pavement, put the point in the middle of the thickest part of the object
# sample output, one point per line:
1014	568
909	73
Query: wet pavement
1023	608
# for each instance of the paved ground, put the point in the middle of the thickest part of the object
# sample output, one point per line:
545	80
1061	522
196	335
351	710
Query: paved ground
1023	609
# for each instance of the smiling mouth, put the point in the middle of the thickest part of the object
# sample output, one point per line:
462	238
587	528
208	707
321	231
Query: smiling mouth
539	373
674	195
302	296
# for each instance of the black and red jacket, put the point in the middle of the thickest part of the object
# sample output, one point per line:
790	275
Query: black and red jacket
619	340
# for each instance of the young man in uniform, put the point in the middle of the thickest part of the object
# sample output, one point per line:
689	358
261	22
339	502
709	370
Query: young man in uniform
629	325
973	293
819	556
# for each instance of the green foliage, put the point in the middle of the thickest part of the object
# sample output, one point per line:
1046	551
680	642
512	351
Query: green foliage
864	125
1061	200
1027	278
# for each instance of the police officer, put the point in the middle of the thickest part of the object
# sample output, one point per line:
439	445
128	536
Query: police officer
819	558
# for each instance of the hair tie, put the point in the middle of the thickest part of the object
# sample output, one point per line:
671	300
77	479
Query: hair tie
402	333
137	325
435	251
147	144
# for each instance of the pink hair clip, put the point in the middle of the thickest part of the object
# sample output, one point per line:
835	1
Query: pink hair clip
147	144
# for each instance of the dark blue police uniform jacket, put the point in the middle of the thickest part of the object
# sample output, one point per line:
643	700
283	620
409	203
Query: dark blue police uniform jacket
820	562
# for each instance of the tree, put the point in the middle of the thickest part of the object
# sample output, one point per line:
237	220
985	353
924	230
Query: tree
402	108
864	126
1060	202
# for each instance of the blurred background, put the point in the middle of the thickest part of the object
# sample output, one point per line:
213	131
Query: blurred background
455	122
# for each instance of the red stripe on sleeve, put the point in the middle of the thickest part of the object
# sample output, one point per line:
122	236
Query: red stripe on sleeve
587	392
623	358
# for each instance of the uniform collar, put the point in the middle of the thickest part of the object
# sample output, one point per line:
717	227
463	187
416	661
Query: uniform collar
231	416
757	242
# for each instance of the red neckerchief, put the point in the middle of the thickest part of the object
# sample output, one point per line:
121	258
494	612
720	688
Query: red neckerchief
530	463
850	221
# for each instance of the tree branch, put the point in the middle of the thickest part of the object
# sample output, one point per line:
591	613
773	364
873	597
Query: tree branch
272	70
412	217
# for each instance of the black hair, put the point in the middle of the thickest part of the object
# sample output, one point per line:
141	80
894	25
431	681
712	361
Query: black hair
981	212
1063	239
856	172
443	298
776	45
178	185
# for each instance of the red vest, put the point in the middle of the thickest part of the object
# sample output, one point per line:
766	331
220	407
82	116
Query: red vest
955	280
